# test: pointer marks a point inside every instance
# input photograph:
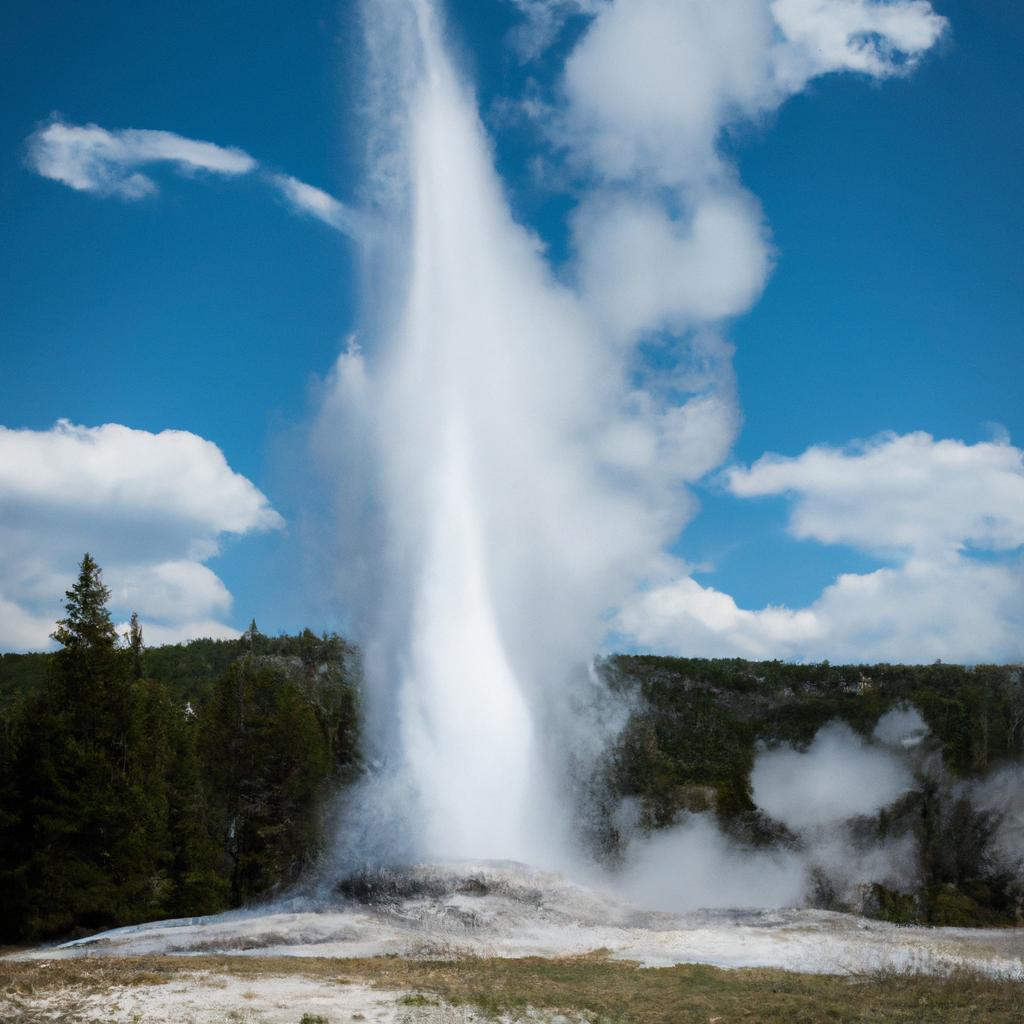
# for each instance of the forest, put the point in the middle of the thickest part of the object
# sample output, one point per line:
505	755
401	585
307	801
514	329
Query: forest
143	783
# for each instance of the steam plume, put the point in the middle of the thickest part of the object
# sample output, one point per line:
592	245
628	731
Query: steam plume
510	468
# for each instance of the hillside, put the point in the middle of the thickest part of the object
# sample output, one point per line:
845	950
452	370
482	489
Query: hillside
215	722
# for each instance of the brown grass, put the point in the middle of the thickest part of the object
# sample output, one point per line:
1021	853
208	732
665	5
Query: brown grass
601	990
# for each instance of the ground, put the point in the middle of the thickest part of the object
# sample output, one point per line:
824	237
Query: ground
390	990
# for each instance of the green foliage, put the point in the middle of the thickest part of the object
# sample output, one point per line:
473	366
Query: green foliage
696	725
269	762
82	850
125	797
140	783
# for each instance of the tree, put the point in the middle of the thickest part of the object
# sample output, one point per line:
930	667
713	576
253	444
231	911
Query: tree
89	766
268	762
133	638
87	627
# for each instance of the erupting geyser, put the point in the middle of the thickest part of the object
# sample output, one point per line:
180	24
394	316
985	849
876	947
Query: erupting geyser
506	525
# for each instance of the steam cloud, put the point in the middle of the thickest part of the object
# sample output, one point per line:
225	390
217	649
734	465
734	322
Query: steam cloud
836	778
510	464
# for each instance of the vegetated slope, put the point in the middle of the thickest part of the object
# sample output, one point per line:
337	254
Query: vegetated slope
185	781
697	725
232	748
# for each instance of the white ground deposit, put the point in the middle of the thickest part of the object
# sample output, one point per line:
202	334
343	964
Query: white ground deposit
512	911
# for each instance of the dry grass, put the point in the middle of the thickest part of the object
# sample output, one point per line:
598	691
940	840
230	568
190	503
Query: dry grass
592	988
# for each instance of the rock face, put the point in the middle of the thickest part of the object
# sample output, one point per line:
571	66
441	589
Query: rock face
502	909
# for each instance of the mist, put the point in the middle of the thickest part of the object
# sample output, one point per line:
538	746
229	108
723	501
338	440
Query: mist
838	777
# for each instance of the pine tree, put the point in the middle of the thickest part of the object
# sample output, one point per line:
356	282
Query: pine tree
200	868
87	625
268	762
133	638
87	779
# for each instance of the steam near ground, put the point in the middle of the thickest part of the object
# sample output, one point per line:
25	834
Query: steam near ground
445	911
682	895
817	794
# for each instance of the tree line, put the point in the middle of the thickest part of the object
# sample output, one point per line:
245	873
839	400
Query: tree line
125	798
143	783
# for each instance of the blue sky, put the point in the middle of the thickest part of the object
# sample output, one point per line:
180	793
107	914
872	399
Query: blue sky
896	301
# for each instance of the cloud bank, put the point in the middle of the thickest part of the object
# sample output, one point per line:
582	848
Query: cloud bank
152	508
949	515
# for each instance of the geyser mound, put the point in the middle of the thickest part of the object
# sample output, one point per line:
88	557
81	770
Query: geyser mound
501	909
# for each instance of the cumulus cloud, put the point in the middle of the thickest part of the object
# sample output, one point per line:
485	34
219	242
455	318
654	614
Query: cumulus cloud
908	493
653	82
666	233
642	271
875	37
152	508
931	506
89	158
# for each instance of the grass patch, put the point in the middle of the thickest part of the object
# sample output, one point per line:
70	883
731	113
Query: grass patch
417	999
601	990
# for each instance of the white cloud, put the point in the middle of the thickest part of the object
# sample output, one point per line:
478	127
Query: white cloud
314	202
653	82
876	37
150	507
924	503
89	158
171	590
906	493
666	235
642	271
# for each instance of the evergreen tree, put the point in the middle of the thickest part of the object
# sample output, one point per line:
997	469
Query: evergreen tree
87	626
87	808
133	638
200	870
268	761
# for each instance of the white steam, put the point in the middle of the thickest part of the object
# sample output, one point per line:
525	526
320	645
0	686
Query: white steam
902	726
817	794
838	777
510	467
694	866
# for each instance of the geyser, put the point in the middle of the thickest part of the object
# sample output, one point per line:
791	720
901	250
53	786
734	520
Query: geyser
506	516
513	449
